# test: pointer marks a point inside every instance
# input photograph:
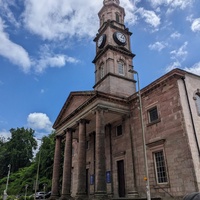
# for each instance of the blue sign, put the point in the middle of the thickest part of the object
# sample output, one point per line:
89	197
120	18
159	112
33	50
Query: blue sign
108	177
91	179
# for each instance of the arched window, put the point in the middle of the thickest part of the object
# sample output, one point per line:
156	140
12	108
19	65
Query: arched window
117	17
197	101
121	68
102	71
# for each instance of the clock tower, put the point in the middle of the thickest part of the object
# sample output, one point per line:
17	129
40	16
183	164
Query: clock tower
113	52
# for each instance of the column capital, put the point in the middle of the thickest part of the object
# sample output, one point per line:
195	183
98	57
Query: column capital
99	109
58	137
69	130
83	121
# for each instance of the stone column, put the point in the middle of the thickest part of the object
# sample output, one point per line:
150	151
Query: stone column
131	186
100	176
81	187
67	166
56	169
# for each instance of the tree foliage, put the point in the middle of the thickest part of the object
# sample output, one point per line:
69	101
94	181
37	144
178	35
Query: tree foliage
27	175
17	151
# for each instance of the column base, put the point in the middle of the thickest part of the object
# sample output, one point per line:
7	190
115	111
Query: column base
100	196
66	197
81	196
53	197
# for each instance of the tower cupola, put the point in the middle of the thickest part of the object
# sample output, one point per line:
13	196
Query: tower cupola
106	2
113	58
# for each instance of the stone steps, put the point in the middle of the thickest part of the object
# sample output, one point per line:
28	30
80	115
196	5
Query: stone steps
137	198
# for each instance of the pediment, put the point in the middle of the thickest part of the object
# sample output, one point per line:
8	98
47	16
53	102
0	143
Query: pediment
73	102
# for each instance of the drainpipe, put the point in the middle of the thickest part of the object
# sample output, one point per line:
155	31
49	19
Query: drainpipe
192	120
111	157
94	158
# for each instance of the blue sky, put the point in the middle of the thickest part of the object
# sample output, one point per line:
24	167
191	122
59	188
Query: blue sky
47	48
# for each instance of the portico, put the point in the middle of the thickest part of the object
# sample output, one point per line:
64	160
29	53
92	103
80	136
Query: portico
92	121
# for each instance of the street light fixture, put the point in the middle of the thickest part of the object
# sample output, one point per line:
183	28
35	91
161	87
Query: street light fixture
26	186
37	175
143	137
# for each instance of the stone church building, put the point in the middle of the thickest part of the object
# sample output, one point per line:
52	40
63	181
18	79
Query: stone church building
102	130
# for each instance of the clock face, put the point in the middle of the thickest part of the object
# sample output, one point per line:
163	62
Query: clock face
119	38
101	41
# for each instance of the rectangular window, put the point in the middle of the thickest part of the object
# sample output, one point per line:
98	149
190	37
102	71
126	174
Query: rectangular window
153	114
119	130
161	172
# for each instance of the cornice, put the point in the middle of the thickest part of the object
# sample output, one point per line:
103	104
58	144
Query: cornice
96	95
113	48
115	75
111	23
176	73
67	102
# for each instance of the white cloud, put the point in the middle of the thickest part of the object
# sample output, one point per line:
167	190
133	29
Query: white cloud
7	13
172	4
39	121
49	59
196	25
12	51
150	17
158	46
181	53
5	134
172	66
20	57
180	3
190	18
175	35
54	61
60	19
130	8
195	69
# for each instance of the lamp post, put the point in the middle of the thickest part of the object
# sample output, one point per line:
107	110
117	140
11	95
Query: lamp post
26	186
5	191
143	137
37	175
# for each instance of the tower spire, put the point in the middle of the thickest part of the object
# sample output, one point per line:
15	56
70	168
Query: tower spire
106	2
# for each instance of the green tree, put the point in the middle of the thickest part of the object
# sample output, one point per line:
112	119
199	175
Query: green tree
47	155
20	148
44	158
4	156
27	175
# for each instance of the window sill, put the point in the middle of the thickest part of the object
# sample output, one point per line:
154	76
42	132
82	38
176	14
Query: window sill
154	122
161	185
118	136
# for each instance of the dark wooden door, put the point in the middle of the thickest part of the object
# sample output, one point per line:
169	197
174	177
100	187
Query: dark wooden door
87	182
121	178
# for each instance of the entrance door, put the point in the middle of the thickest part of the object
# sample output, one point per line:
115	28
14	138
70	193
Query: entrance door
87	182
121	178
